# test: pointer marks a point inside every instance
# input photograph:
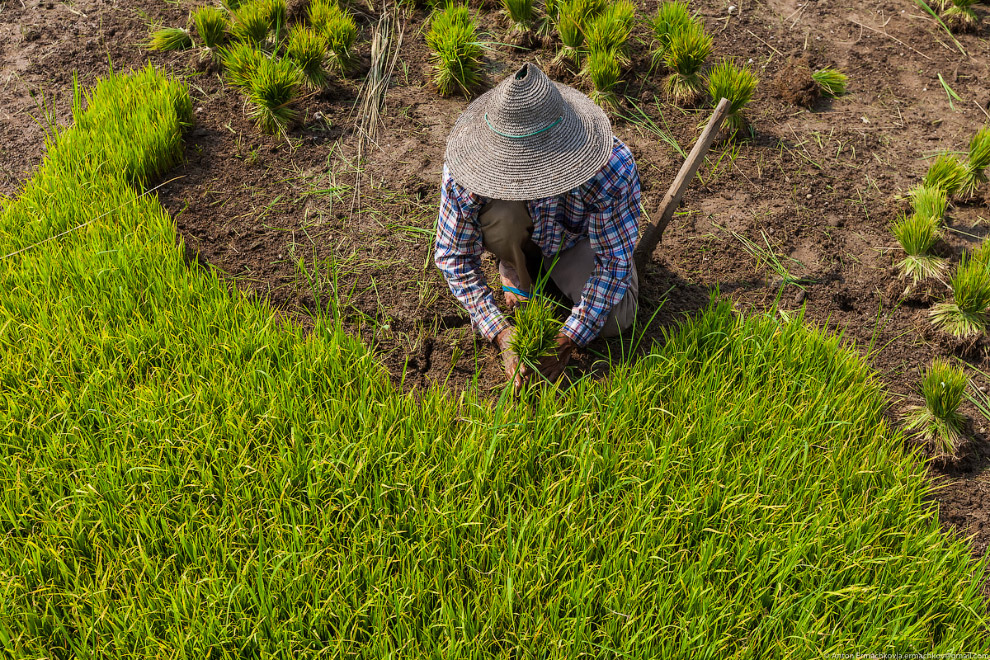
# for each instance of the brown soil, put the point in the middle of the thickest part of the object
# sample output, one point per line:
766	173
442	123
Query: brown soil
818	187
794	83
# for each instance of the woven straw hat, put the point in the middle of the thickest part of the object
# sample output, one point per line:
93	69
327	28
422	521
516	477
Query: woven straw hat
528	138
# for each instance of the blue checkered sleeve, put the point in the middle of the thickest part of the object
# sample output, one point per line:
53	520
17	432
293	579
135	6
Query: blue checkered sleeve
458	254
613	229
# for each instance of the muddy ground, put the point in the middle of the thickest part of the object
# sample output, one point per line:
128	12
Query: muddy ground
289	219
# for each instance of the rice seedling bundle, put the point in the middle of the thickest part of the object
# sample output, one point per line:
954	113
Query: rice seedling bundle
571	16
252	21
946	173
520	13
240	60
307	48
917	235
929	201
978	161
965	315
602	66
549	18
175	453
672	17
737	84
535	335
456	55
961	16
831	81
686	54
939	421
170	39
211	25
608	32
338	29
274	87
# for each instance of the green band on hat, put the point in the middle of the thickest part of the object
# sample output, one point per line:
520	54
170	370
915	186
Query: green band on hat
519	137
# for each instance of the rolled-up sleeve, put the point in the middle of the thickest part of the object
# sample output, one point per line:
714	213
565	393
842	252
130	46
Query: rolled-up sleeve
458	254
612	231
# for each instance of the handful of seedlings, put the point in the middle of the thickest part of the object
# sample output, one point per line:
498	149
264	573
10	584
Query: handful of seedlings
965	314
978	161
831	81
536	331
938	421
687	51
520	14
456	53
737	84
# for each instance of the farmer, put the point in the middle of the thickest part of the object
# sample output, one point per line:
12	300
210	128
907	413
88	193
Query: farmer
534	175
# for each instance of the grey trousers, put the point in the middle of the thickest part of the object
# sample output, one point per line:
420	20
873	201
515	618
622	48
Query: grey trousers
507	229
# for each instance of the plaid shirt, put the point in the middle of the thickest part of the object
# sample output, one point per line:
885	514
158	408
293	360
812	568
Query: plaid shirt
605	209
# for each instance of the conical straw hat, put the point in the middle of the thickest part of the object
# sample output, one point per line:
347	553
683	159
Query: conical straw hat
528	138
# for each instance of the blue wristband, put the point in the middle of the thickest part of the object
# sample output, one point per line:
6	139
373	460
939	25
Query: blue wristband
518	292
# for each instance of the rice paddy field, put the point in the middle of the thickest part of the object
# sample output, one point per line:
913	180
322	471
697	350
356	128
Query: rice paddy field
242	416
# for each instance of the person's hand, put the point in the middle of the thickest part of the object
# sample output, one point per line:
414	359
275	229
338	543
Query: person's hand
510	277
552	367
514	371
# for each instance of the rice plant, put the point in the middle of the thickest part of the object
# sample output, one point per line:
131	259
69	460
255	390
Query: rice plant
251	22
939	421
737	84
307	49
978	160
274	87
170	39
965	315
338	29
961	16
536	331
831	81
686	55
946	173
917	235
672	17
456	53
602	67
520	14
571	15
929	201
608	32
240	61
549	18
211	25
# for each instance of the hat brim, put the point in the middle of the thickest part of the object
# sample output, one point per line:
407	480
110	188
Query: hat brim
525	168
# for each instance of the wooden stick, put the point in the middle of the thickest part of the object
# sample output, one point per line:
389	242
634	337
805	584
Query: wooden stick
652	234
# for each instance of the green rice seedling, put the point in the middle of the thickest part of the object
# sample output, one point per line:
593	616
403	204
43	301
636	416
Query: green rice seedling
917	235
672	17
946	173
520	14
274	87
978	160
608	32
965	315
602	66
456	55
929	201
211	25
255	21
961	16
686	55
240	61
536	331
939	421
338	29
571	16
170	39
737	84
831	81
307	48
549	18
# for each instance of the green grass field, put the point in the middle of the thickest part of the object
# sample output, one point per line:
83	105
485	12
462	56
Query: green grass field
186	476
